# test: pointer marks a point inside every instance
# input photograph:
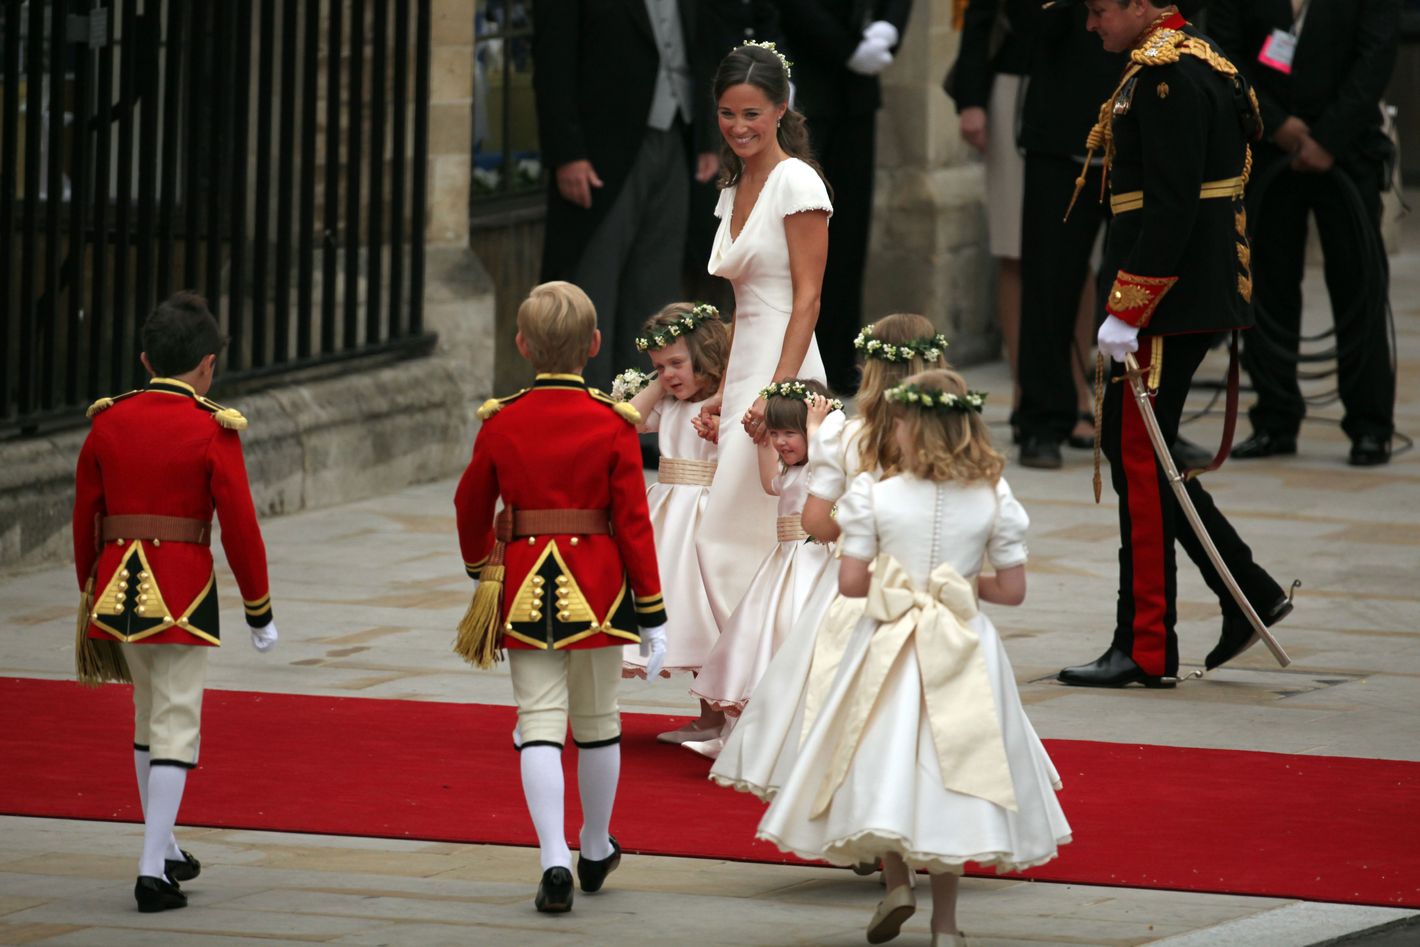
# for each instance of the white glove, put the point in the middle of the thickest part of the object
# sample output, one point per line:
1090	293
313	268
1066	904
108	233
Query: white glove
1116	337
653	649
870	58
264	638
882	30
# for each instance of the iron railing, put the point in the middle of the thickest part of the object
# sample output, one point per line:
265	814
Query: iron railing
270	154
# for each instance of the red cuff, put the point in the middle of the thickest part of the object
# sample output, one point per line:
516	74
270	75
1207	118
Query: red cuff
1133	299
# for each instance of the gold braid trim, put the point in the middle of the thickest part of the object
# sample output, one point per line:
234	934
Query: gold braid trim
1101	136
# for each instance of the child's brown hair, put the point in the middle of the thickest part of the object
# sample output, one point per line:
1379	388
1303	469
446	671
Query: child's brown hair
789	412
951	443
708	343
557	322
877	448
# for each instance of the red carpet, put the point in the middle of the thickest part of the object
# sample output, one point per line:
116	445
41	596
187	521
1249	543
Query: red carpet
1313	827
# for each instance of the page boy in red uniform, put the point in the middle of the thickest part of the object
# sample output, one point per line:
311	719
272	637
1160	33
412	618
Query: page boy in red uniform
568	572
155	465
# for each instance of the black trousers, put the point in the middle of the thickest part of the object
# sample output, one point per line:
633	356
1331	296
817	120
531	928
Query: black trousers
1357	280
844	146
1150	520
1055	255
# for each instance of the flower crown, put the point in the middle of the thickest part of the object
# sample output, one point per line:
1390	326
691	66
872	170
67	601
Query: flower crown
928	350
769	45
797	391
935	400
629	384
662	336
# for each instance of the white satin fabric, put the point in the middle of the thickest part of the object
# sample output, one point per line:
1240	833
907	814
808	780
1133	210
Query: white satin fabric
739	527
780	588
892	795
677	511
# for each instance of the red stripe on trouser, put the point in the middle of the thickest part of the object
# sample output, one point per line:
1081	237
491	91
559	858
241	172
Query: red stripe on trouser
1146	538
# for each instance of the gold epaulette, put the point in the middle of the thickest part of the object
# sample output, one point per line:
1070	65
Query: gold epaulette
229	418
493	405
623	409
1166	47
103	404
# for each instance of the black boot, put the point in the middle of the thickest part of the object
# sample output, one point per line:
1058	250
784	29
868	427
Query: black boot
1238	634
157	894
1114	668
591	874
554	891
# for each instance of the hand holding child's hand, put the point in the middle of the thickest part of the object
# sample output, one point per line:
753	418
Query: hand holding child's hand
707	427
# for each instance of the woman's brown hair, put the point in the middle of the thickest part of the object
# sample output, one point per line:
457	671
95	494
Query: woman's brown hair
762	68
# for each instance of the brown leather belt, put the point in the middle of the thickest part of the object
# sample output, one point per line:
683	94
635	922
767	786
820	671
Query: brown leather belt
518	523
172	529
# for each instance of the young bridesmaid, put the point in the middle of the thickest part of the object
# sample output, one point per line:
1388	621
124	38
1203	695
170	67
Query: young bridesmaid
761	749
688	345
919	751
781	585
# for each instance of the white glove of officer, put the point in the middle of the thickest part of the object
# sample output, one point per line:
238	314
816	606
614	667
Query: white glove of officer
1116	337
653	649
264	638
874	52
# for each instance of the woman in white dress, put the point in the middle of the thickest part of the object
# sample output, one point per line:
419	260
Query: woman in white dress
772	243
759	753
920	752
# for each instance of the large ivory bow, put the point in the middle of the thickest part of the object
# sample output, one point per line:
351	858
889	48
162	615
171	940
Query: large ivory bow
961	706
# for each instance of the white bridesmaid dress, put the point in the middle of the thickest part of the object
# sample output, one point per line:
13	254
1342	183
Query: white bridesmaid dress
677	510
739	523
891	794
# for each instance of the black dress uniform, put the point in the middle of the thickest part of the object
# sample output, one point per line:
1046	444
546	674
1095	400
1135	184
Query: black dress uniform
1177	263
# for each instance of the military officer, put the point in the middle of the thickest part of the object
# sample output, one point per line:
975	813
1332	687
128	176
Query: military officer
1175	138
156	463
568	575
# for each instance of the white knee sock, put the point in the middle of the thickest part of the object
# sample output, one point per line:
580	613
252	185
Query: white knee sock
140	769
165	786
598	770
543	791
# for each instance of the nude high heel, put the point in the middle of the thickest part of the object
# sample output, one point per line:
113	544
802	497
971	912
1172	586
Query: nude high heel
893	911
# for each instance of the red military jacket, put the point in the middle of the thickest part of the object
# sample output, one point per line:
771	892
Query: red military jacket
560	445
163	450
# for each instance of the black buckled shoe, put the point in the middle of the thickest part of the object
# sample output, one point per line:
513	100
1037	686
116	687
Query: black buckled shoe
1238	634
157	894
554	891
1265	444
591	874
1114	668
1042	453
1369	451
185	870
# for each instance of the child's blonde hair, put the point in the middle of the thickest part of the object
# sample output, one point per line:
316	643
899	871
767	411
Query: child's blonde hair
708	343
877	448
557	322
951	443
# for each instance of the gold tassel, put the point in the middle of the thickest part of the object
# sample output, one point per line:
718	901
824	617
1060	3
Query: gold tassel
1099	414
96	660
479	637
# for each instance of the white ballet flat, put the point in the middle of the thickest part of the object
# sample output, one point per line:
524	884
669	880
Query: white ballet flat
689	736
948	940
710	749
893	911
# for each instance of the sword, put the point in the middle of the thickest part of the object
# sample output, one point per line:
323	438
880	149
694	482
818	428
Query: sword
1180	491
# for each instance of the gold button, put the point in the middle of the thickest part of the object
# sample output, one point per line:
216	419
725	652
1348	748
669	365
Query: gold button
157	541
182	621
538	580
118	541
167	618
563	616
143	586
142	598
507	626
561	580
141	576
535	615
573	541
1118	294
123	573
532	540
94	614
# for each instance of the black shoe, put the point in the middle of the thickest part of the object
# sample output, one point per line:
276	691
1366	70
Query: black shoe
1088	441
1263	444
1042	453
1238	635
1114	668
1187	455
185	869
554	891
1369	451
157	894
591	874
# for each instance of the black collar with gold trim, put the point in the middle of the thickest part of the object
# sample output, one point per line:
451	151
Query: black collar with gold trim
555	381
172	386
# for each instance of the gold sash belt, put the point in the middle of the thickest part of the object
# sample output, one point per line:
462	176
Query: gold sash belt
956	686
1211	190
674	470
790	529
